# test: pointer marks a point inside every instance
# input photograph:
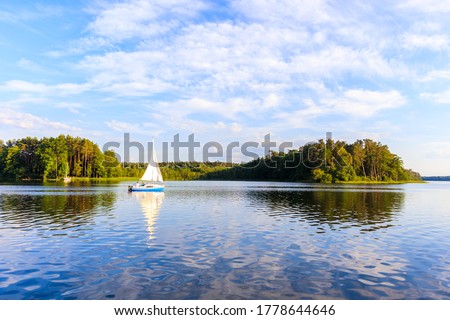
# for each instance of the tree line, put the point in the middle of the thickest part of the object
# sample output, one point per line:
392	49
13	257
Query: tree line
55	158
191	170
66	156
324	161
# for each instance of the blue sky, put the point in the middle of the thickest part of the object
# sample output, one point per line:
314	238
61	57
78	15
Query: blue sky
231	71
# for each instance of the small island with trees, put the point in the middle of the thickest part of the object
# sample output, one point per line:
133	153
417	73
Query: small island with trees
325	161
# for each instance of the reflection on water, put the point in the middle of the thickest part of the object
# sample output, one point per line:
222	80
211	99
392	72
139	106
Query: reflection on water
338	209
151	203
224	240
56	209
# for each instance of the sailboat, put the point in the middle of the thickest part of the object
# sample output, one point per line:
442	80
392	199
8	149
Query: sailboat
152	180
66	178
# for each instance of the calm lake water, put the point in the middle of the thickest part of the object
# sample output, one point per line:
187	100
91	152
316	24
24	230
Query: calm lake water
225	240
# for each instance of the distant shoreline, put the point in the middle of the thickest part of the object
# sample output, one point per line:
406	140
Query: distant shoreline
436	178
130	179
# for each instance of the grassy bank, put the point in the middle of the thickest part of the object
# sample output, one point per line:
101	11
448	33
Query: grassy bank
75	179
380	182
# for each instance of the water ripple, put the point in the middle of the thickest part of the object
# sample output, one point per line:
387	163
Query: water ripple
225	240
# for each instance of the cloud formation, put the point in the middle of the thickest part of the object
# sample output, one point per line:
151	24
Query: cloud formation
13	118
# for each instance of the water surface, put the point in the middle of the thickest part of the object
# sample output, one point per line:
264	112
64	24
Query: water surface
225	240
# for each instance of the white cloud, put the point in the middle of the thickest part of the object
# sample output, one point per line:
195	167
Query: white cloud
29	121
24	100
233	127
426	27
217	60
211	59
339	60
129	74
83	45
301	118
142	18
137	88
40	88
285	11
434	75
24	86
229	109
140	127
272	100
426	6
366	103
440	97
121	126
355	103
431	42
73	107
29	65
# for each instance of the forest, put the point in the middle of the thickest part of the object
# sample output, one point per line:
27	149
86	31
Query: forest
66	156
324	161
54	158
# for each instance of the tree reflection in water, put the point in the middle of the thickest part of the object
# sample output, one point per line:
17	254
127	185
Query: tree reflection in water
60	210
370	209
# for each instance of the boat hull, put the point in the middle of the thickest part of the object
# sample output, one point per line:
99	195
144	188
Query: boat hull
145	189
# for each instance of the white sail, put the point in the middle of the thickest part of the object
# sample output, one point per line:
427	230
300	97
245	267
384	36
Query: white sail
152	173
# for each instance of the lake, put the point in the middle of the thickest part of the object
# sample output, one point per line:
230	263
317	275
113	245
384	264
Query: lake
225	240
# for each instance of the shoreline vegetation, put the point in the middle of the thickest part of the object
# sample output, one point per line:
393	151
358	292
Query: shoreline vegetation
325	161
